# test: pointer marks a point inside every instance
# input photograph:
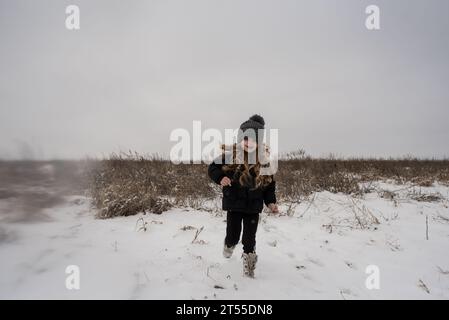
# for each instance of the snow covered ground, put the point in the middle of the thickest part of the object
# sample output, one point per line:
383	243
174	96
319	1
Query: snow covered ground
320	251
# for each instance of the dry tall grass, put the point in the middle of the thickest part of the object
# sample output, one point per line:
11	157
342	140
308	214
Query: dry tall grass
127	184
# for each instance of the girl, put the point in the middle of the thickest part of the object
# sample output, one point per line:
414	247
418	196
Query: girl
245	190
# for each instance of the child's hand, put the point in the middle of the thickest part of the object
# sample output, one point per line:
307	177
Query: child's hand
273	207
225	181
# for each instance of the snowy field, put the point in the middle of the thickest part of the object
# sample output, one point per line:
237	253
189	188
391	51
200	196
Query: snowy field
320	250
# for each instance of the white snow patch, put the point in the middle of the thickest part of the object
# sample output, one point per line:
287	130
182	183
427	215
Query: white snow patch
320	252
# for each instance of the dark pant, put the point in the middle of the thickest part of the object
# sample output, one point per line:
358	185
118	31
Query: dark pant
234	227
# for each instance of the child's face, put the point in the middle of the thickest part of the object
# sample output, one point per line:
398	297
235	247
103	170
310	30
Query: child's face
249	145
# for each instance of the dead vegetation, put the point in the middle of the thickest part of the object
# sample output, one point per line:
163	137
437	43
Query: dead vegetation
127	184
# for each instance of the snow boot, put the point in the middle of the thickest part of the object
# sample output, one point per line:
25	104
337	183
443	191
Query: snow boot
249	264
227	251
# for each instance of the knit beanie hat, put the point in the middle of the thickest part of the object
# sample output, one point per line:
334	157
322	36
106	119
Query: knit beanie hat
254	123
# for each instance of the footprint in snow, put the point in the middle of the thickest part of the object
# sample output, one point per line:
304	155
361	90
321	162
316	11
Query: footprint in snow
307	277
272	243
346	293
269	228
350	265
316	262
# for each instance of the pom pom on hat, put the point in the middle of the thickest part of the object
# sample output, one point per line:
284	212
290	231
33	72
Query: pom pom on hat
258	119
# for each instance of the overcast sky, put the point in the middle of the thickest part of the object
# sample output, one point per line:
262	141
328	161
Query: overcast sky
136	70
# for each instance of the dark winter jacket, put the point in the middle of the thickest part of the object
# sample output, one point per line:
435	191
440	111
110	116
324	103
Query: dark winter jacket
240	198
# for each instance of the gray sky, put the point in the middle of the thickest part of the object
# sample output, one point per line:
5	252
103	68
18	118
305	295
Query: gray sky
136	70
